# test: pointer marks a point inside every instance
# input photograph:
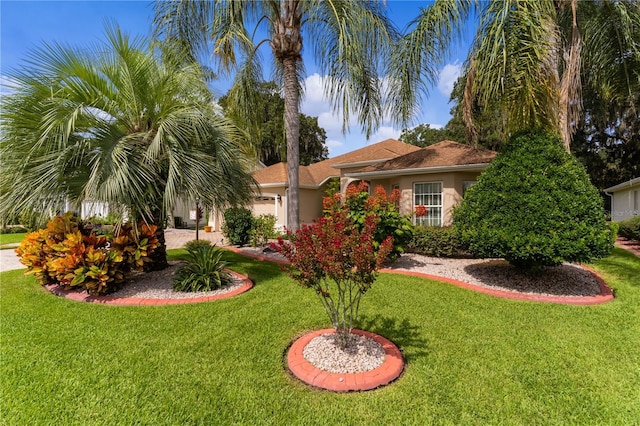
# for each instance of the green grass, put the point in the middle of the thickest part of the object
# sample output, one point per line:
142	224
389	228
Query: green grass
11	239
471	358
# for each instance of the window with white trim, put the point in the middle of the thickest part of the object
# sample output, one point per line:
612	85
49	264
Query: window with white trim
428	194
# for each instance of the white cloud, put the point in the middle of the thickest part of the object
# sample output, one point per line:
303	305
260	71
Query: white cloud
385	132
332	143
447	77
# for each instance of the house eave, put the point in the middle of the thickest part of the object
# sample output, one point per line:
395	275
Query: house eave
624	185
419	170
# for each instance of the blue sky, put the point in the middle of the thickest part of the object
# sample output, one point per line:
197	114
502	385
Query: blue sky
25	25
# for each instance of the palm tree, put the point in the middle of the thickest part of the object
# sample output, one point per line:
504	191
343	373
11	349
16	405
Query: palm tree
116	124
531	57
348	39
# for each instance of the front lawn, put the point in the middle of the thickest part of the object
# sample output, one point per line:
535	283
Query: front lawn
471	358
11	240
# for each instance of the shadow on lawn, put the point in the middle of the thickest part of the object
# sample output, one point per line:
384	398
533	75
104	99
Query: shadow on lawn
406	336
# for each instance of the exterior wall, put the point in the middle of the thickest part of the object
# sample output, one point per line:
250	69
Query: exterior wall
272	201
452	189
311	204
626	203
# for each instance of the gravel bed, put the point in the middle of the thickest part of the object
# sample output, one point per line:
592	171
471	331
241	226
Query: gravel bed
361	354
564	280
158	285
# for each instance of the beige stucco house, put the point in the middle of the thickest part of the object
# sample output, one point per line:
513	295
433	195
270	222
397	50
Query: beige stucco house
625	199
436	177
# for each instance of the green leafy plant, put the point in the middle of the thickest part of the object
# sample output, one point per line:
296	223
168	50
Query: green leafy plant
630	228
359	204
436	241
204	270
196	244
336	258
71	255
534	206
238	222
264	229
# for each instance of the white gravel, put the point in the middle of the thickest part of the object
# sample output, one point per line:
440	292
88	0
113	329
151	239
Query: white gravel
564	280
158	285
361	354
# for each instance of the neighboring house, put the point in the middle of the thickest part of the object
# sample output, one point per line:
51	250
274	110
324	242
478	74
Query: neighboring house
625	199
436	177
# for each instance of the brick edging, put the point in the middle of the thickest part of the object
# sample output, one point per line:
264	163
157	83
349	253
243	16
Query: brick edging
605	294
140	301
382	375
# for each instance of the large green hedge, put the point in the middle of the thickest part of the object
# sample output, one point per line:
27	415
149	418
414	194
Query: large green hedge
534	206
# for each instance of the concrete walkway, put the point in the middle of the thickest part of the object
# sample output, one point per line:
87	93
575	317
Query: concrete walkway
175	238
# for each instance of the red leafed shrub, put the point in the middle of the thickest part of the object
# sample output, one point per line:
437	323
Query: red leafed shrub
336	258
68	254
421	211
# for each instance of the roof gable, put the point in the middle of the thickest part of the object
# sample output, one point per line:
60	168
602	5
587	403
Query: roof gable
315	174
442	154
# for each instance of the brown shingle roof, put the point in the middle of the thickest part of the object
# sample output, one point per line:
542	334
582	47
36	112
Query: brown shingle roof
315	174
441	154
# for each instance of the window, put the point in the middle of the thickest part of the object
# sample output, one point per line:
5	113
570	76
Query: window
466	185
428	194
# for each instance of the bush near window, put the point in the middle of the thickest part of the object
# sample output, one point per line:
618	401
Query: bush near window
204	270
264	229
359	204
534	206
238	222
630	228
67	253
436	241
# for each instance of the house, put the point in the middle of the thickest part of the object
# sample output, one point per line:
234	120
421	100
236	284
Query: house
625	199
436	176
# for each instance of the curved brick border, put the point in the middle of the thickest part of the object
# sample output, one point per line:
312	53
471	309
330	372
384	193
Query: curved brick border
384	374
605	294
138	301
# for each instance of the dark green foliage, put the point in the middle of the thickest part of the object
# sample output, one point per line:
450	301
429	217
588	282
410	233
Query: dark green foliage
534	206
238	222
204	270
13	230
436	241
264	229
196	244
630	228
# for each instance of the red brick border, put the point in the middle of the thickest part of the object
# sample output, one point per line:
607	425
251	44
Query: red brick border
139	301
384	374
605	294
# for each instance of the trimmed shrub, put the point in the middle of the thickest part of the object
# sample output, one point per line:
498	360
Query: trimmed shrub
534	206
264	229
436	241
630	228
238	222
67	253
204	270
13	230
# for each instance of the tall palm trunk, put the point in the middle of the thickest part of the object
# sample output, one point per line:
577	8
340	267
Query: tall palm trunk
570	84
159	255
287	45
292	131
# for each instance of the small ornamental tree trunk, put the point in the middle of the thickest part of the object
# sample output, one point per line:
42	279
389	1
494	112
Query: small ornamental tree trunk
159	255
336	258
